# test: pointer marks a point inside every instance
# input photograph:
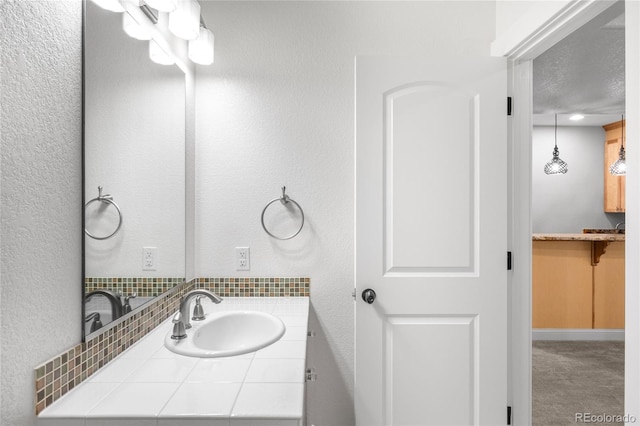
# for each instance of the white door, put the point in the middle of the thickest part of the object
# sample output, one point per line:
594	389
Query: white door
431	221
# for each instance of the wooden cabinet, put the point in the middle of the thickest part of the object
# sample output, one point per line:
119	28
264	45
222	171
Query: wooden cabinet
614	186
562	284
608	288
570	291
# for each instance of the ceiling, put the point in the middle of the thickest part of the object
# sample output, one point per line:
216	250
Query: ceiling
583	73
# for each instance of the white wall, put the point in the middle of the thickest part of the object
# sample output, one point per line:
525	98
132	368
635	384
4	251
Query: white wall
135	149
508	12
277	109
41	203
570	202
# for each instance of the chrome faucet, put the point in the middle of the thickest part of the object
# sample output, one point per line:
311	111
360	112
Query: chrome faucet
186	301
181	319
112	297
619	224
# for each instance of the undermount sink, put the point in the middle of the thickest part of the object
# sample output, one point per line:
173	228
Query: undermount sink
227	334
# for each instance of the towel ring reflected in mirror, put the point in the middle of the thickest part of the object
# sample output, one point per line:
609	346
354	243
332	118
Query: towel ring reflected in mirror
285	199
106	199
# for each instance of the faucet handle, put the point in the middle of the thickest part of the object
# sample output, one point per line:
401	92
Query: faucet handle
126	307
179	332
96	324
198	311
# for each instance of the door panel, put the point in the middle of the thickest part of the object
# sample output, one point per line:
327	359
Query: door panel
431	241
446	342
416	128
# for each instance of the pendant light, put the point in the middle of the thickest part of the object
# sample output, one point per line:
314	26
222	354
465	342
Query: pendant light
556	165
619	167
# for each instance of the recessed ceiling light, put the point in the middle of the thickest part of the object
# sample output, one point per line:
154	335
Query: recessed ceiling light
576	117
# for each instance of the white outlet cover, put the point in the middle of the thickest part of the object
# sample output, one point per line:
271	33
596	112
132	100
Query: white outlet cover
242	259
149	258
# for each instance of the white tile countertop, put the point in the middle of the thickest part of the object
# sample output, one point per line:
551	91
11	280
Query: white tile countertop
148	385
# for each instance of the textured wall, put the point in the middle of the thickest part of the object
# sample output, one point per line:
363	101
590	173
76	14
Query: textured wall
40	193
277	109
583	150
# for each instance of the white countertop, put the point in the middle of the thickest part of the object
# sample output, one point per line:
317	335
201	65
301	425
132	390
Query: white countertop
149	385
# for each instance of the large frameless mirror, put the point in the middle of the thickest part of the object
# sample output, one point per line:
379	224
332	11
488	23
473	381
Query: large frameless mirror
134	173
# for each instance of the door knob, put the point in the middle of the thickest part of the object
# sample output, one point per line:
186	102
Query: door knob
369	296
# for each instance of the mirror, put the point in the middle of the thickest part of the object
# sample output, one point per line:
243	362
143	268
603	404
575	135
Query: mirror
134	150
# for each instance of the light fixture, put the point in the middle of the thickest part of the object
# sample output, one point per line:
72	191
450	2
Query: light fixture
201	49
182	18
112	5
184	22
619	167
158	55
556	165
134	29
162	5
576	117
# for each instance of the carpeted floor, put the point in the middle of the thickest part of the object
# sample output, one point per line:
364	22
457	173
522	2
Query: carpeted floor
577	377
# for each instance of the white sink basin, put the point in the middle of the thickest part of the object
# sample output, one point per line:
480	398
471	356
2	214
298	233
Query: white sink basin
227	334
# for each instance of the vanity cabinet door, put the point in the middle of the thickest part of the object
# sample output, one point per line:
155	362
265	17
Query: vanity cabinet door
614	186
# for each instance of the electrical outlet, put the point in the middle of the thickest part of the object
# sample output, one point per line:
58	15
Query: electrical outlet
242	259
149	258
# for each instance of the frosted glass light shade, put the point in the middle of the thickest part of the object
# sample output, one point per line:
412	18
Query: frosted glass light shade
159	56
201	49
112	5
133	29
184	22
556	166
619	167
162	5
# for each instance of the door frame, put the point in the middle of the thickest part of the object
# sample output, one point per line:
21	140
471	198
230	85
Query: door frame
521	49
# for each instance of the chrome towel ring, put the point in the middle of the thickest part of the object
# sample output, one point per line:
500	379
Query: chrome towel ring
284	200
107	199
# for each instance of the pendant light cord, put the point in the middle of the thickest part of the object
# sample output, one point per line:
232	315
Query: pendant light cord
555	135
622	140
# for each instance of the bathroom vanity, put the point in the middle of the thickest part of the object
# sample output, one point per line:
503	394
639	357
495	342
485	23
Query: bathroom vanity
151	385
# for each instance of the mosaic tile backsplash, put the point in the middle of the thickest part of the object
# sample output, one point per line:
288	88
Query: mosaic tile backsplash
145	287
256	287
59	375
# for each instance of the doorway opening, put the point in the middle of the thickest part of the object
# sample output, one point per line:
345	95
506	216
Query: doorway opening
578	247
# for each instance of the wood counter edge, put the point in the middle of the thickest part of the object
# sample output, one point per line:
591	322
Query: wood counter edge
578	237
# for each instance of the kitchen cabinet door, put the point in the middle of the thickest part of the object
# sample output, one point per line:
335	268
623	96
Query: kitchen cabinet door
562	284
614	186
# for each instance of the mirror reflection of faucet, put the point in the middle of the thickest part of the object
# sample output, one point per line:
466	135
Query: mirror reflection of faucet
119	305
112	297
126	308
96	324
